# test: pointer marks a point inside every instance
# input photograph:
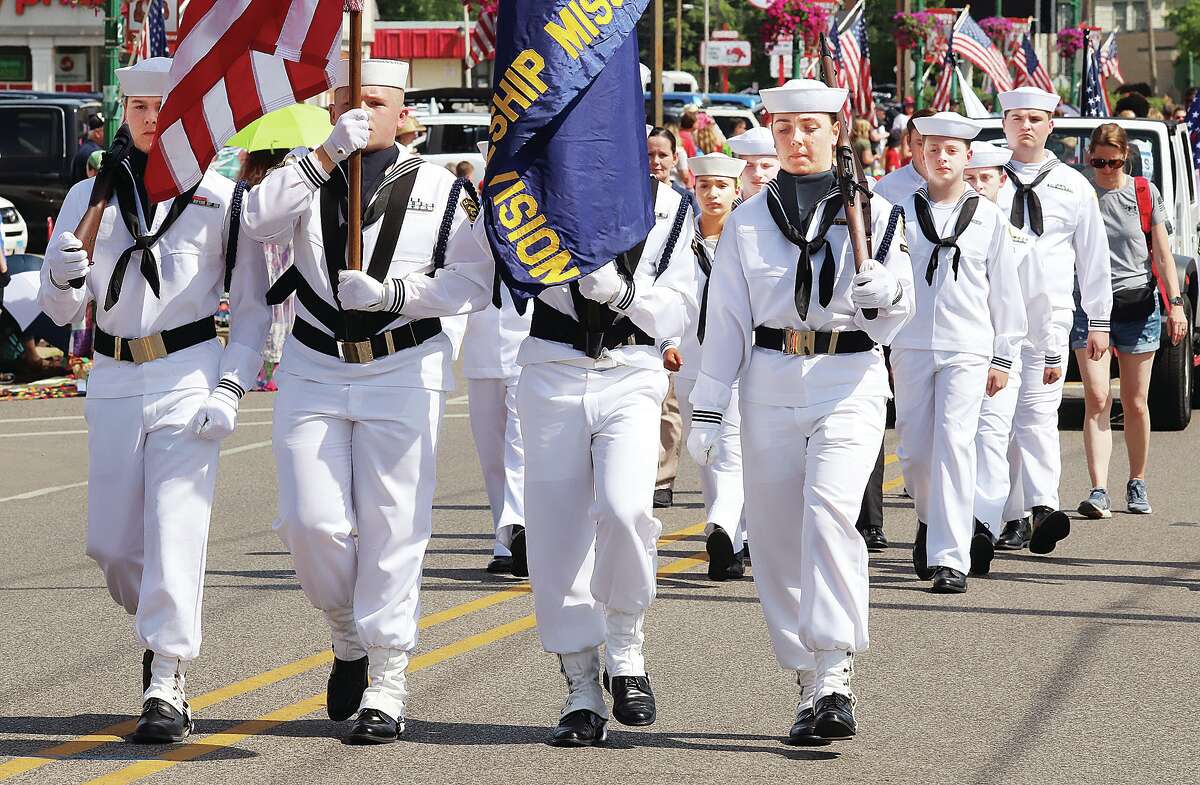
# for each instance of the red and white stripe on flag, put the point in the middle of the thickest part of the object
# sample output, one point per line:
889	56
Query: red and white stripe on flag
236	61
483	39
941	96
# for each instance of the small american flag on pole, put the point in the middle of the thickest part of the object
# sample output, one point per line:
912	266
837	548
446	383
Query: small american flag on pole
971	43
945	85
483	38
1029	68
236	61
852	42
1110	63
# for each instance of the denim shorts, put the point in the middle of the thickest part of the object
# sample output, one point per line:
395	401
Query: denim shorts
1129	337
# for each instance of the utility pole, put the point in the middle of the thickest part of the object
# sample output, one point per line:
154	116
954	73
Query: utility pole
1153	48
678	35
109	64
656	78
707	34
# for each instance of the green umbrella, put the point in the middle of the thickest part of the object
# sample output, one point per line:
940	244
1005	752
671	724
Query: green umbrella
298	125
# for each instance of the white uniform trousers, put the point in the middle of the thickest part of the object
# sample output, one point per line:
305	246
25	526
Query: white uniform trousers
938	395
805	470
993	471
150	490
591	447
1034	453
497	432
720	482
356	470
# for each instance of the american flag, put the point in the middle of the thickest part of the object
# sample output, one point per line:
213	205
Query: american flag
855	54
236	61
152	40
1029	68
973	44
1110	63
941	96
1193	124
845	77
1095	97
483	38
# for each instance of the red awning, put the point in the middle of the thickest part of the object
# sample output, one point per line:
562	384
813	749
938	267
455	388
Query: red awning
418	43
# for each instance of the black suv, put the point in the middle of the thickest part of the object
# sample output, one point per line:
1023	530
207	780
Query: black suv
39	136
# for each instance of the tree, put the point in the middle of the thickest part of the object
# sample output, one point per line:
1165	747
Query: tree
1185	21
420	10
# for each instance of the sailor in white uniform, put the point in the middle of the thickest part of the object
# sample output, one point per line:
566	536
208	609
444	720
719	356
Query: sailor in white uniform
785	320
363	383
1056	206
902	183
757	148
985	173
590	395
164	391
721	481
959	345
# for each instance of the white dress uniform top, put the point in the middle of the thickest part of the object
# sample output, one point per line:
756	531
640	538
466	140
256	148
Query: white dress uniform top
720	481
992	480
811	424
355	439
150	476
590	427
969	314
1056	206
898	185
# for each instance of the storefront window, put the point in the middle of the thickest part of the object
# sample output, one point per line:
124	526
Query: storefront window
16	64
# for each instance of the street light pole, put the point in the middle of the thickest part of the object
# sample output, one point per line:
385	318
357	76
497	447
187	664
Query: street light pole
112	51
656	81
707	33
678	35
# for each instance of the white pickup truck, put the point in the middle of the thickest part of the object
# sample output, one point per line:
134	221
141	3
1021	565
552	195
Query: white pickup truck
1166	159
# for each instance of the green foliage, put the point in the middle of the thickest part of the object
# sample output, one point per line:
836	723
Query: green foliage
420	10
1185	21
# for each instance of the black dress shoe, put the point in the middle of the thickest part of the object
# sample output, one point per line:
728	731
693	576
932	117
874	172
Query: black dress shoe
920	564
982	550
874	538
344	690
1015	535
746	553
374	727
520	562
834	717
633	700
1049	528
147	658
580	728
947	580
500	565
720	554
737	570
663	497
804	729
161	723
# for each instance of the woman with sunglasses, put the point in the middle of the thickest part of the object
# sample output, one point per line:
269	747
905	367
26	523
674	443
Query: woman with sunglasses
1136	322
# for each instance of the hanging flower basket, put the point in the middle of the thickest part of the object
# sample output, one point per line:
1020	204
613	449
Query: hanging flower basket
1070	40
998	28
913	28
791	18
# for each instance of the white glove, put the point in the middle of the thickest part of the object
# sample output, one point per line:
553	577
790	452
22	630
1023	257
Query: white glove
68	261
217	417
702	442
602	285
350	133
874	286
358	291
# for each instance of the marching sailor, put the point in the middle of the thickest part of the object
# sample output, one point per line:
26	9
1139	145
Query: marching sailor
961	342
489	353
721	481
985	173
590	395
163	392
363	383
1057	208
757	148
785	320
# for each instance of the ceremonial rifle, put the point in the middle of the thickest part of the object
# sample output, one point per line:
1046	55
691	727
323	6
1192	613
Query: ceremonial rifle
102	191
848	174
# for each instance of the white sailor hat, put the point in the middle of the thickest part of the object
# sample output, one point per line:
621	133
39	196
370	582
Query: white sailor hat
1029	97
149	77
985	155
950	124
803	95
756	141
716	165
381	73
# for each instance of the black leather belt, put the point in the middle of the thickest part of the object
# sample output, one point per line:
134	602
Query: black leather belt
404	337
809	342
157	346
551	324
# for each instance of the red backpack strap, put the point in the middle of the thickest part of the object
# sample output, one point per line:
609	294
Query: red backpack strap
1141	188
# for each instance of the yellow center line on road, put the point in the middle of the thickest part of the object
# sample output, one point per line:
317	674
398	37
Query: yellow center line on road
244	730
114	733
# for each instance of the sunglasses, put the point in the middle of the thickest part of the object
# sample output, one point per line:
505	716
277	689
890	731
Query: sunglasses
1108	163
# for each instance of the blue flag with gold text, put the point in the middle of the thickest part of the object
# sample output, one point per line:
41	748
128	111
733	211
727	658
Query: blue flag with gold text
568	184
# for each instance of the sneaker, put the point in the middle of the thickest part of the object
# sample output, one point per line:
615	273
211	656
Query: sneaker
1096	505
1136	499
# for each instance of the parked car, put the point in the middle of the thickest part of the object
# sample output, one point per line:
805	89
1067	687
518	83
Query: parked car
1166	160
15	232
451	137
37	145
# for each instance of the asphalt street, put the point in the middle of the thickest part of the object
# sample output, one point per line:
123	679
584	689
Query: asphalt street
1080	667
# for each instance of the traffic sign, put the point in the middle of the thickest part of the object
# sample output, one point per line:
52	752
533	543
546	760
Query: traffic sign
723	35
725	54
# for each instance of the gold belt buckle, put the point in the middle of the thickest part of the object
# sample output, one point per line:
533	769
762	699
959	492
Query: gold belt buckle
799	342
145	349
355	351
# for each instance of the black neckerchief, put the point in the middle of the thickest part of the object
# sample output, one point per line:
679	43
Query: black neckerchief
967	205
375	166
1026	194
701	252
793	201
128	188
137	165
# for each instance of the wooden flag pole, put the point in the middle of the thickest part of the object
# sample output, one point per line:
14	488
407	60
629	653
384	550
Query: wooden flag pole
354	165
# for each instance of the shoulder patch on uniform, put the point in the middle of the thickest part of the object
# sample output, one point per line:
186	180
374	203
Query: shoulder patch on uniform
470	207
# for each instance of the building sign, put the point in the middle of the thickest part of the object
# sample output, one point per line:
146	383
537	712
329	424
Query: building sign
725	54
15	65
21	6
72	66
